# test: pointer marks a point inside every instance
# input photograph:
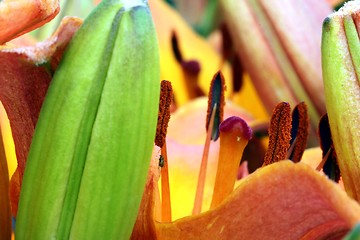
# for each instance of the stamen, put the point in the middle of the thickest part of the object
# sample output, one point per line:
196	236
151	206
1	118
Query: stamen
175	47
227	44
325	134
216	96
324	159
299	132
238	73
234	136
329	162
279	134
202	173
165	188
166	97
331	167
191	70
164	112
228	53
215	113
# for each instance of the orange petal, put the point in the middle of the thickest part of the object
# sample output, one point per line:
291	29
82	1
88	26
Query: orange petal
145	226
19	17
50	50
24	84
281	201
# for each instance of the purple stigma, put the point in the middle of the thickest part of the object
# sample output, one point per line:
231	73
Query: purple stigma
232	123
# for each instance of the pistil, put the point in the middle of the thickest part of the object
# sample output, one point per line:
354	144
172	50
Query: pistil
234	136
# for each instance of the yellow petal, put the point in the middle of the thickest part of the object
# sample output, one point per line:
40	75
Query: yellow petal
192	46
5	214
185	143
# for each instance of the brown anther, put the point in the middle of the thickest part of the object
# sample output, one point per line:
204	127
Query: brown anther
279	134
228	53
164	112
325	135
191	69
238	73
175	47
216	96
329	162
299	132
227	44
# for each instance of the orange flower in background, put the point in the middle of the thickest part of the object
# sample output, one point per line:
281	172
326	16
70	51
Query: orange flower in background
19	17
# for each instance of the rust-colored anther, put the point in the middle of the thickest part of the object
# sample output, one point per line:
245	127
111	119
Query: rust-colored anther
329	162
279	134
166	96
299	132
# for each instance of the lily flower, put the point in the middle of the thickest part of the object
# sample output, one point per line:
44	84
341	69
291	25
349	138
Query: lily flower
239	212
263	205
